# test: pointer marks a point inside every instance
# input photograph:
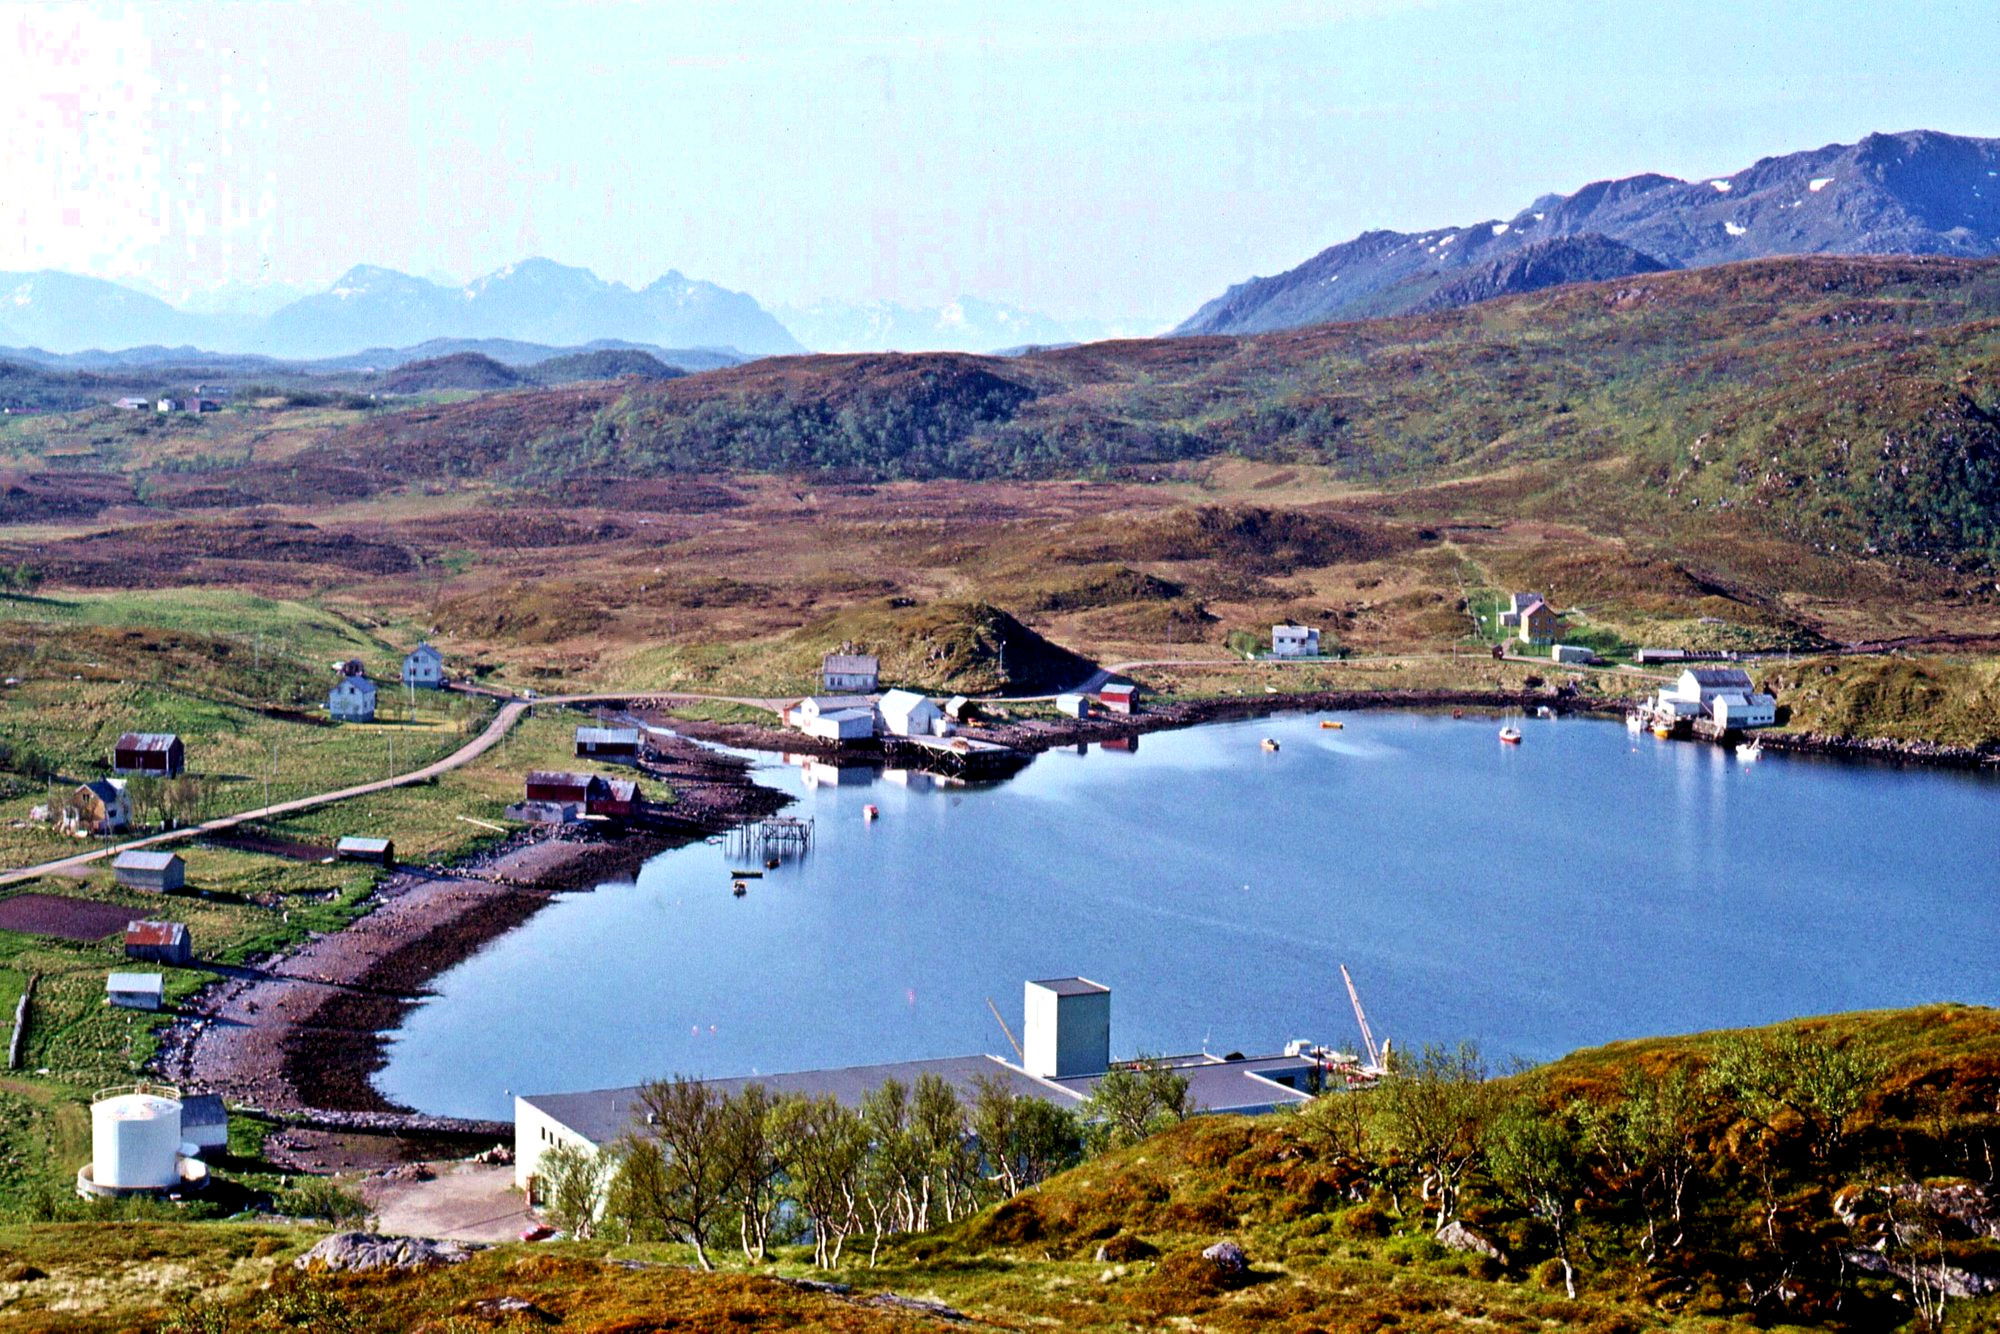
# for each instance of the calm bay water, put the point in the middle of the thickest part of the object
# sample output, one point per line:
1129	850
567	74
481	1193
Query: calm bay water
1586	886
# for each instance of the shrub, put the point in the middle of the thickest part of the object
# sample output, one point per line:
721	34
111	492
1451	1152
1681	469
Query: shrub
1363	1220
318	1197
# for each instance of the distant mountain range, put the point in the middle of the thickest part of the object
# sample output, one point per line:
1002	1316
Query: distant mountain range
968	324
1917	193
537	301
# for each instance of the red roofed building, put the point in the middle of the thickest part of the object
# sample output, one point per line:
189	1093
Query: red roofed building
157	753
159	942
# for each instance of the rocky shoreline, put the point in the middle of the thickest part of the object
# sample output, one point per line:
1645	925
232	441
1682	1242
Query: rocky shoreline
298	1037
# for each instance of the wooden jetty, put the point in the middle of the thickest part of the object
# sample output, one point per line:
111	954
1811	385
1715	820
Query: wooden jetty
777	836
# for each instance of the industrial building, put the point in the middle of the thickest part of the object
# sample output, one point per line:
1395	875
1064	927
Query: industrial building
1065	1050
138	1144
152	872
1725	695
906	713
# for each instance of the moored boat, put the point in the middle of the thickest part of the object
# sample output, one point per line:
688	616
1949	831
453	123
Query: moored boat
1510	735
1269	743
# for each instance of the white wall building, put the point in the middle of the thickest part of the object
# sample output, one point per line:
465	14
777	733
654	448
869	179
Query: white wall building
845	673
834	717
1294	641
906	713
352	699
1725	694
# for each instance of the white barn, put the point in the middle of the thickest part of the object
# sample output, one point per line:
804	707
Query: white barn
906	713
1725	694
424	668
834	717
352	699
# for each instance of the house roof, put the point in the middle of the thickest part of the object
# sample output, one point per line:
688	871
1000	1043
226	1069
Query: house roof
851	664
602	1115
147	741
1071	986
203	1109
424	650
1118	688
140	860
105	789
828	703
155	933
621	789
149	982
1219	1085
1530	608
353	844
607	736
1714	677
558	778
899	700
1295	629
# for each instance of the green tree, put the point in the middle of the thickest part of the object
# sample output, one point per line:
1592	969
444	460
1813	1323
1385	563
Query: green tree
1434	1106
823	1149
684	1117
1647	1138
1134	1101
636	1197
1535	1154
1820	1082
570	1185
750	1167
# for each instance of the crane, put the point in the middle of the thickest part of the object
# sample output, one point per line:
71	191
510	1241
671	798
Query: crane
1376	1055
1019	1055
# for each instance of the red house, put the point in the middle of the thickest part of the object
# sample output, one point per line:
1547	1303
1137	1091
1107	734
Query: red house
159	754
1119	697
613	798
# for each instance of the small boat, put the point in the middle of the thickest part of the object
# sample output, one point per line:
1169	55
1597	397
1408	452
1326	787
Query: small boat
1751	753
1332	724
1662	731
772	863
1510	735
1269	743
1545	712
1635	722
871	812
1458	713
739	889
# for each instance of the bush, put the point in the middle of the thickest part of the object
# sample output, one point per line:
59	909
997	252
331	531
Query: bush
1362	1221
321	1198
1125	1248
1548	1275
1418	1247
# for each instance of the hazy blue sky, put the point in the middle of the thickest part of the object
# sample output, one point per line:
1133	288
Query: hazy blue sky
1118	160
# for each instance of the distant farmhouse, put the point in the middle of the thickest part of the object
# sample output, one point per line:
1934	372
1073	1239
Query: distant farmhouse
352	699
424	668
849	674
1510	615
1294	641
1538	623
100	806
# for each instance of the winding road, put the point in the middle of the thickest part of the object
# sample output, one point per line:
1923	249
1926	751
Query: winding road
512	710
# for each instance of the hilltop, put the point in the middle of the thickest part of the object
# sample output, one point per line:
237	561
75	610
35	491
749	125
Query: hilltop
1917	193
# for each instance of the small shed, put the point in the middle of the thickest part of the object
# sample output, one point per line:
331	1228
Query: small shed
612	798
608	743
100	806
204	1121
849	673
1572	653
840	725
135	991
159	942
1119	697
159	754
380	851
557	786
906	713
424	668
961	710
1073	706
154	872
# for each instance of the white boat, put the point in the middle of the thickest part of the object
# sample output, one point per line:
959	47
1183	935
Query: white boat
1635	723
1511	735
1751	753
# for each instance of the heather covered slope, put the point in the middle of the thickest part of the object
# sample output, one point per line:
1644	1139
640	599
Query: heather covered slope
1916	193
1847	406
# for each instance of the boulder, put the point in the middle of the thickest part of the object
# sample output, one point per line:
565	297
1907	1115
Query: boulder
358	1252
1228	1259
1456	1236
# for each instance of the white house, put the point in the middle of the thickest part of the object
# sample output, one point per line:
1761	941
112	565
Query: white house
352	699
100	806
424	668
906	713
849	673
1073	706
1737	712
1294	641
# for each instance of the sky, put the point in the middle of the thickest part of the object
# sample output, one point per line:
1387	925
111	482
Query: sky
1112	161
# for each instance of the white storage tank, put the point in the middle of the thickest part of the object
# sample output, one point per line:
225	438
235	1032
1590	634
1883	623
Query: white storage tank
135	1138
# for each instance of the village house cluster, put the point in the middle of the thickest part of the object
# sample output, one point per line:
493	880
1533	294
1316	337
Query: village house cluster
352	698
